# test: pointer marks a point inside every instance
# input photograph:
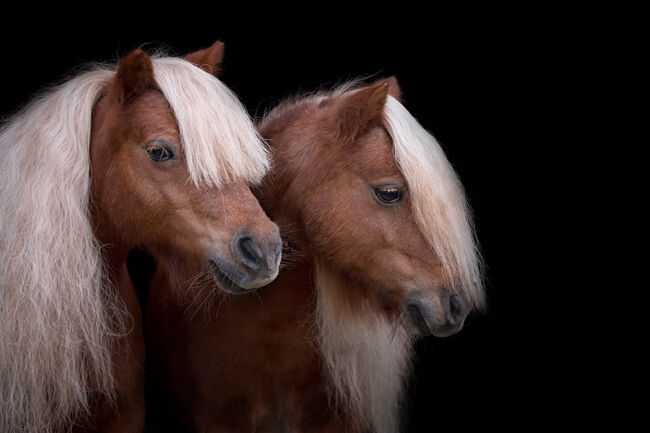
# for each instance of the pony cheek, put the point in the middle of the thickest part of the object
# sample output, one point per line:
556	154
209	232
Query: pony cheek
394	269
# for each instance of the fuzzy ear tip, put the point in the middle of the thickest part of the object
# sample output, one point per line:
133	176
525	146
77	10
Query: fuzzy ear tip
218	47
136	53
382	90
137	59
208	59
134	74
394	89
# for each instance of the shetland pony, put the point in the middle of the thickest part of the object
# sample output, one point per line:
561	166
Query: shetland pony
380	249
155	153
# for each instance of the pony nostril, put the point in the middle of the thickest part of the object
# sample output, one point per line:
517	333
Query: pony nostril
248	251
275	255
455	310
415	312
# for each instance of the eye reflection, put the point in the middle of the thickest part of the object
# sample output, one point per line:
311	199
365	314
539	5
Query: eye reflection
388	194
160	152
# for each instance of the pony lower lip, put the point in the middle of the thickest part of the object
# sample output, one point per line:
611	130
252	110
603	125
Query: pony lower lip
225	281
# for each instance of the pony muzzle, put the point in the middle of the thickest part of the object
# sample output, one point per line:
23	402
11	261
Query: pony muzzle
441	319
254	264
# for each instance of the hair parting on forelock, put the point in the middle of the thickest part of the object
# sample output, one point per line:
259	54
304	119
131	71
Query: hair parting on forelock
219	138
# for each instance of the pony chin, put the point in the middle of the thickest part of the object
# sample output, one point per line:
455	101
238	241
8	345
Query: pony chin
366	356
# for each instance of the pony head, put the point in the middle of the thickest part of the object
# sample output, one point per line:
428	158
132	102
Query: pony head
378	204
173	155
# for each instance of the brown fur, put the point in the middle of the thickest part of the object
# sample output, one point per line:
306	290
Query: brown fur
253	363
138	203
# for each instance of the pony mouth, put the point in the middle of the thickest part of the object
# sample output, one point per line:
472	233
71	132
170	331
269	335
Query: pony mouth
225	280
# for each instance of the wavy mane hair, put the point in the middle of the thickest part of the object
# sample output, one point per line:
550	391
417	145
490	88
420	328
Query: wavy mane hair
60	313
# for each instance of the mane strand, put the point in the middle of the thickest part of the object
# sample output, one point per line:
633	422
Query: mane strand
55	334
199	99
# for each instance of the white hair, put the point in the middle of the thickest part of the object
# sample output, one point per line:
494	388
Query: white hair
207	113
366	356
55	336
60	315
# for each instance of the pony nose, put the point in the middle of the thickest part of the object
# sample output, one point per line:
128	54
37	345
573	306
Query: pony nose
441	318
455	309
247	249
260	258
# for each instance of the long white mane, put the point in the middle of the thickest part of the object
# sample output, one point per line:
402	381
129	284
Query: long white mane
366	357
55	333
59	315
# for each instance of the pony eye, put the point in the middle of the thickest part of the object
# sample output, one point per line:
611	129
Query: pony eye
160	152
388	194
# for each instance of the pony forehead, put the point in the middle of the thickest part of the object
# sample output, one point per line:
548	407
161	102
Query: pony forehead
219	139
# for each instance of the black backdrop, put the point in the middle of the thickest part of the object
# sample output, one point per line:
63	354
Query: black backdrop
475	80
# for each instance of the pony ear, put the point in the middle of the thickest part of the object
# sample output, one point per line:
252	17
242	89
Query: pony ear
359	110
393	87
208	59
134	75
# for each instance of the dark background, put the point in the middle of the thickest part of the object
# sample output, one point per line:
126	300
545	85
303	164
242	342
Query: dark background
489	85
